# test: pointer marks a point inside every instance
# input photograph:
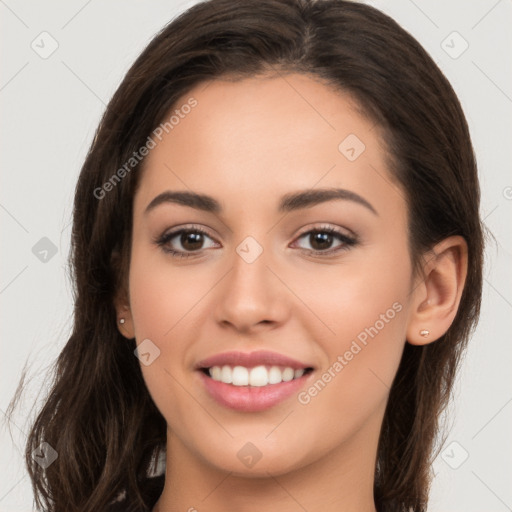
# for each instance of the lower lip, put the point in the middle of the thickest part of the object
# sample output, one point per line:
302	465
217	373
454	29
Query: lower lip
251	398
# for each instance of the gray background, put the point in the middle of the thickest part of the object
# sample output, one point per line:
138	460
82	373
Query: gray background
50	108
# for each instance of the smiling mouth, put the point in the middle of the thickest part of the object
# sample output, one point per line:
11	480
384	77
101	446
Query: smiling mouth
256	376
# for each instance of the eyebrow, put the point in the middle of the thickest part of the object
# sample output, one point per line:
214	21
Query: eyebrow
288	203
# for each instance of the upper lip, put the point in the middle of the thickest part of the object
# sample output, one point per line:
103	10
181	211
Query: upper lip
251	359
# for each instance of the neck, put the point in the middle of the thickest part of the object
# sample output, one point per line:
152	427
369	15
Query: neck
341	480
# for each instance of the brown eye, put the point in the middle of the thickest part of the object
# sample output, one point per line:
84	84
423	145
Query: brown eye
184	242
191	240
321	241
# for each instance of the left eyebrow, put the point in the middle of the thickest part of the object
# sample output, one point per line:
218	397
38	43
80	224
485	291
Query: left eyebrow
308	198
288	203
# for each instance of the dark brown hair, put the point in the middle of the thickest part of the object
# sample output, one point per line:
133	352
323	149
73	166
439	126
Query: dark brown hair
98	415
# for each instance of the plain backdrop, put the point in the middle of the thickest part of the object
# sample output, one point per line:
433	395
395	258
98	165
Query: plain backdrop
62	61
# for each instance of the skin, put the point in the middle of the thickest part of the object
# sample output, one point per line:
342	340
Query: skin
248	143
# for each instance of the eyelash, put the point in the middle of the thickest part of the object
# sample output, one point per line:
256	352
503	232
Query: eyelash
347	241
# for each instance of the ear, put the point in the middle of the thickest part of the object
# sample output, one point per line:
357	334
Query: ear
124	320
437	292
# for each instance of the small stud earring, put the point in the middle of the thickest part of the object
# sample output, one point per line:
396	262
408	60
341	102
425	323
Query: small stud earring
424	333
121	320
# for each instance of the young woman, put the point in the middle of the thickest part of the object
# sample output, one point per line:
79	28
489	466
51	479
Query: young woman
277	255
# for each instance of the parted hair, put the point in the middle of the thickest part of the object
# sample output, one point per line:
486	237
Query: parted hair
98	414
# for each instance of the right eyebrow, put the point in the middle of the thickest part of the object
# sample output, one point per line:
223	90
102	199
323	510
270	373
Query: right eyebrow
192	199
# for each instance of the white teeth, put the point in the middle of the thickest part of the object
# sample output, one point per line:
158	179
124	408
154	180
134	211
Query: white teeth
288	374
274	375
258	376
240	376
226	375
216	373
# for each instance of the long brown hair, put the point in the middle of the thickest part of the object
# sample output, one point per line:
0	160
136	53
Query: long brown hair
99	416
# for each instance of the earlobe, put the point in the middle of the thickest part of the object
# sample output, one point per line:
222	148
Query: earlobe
437	294
125	324
124	319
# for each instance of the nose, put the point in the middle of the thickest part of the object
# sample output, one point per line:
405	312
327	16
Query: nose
252	297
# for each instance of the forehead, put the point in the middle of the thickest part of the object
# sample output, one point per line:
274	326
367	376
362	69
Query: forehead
263	136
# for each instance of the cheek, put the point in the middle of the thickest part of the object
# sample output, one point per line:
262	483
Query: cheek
362	333
163	298
363	295
165	304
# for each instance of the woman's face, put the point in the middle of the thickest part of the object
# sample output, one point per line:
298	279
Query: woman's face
324	279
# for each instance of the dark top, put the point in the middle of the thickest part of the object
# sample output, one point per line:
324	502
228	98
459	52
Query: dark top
151	491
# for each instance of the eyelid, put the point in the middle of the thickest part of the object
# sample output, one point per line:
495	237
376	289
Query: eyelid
185	227
337	229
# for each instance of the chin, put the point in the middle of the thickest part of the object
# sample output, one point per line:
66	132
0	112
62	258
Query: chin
248	459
